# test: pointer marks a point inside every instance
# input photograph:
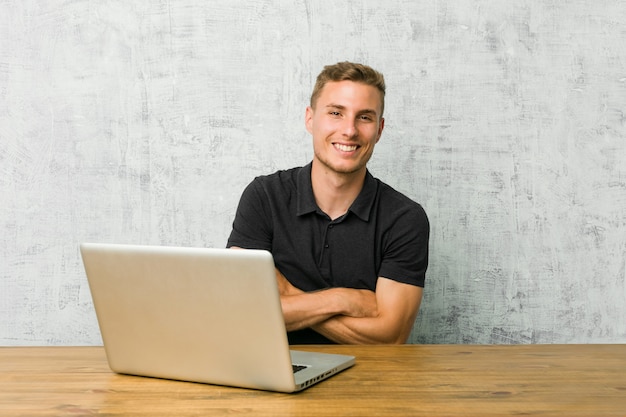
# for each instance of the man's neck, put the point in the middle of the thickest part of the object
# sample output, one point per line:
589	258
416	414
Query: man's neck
334	192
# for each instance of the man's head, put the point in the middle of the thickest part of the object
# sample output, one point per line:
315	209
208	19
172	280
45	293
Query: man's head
348	71
345	118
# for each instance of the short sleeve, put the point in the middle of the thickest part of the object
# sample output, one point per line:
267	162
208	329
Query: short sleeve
252	224
405	251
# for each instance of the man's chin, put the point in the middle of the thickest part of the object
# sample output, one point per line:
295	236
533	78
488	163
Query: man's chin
343	169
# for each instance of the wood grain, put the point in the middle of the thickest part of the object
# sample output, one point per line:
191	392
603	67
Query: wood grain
409	380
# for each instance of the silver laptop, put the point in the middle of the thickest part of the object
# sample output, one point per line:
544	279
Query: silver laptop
198	314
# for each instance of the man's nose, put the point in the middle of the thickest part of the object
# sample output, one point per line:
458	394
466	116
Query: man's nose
349	128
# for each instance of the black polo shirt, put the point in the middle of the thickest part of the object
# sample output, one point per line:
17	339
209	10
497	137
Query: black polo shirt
383	234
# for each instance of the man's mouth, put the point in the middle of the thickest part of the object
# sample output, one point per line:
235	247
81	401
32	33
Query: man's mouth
345	148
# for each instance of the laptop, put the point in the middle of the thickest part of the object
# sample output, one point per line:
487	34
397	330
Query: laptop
198	314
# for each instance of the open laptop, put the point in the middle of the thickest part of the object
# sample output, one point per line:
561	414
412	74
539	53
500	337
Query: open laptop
198	314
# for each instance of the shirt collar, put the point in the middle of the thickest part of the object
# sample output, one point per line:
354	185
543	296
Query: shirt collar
361	207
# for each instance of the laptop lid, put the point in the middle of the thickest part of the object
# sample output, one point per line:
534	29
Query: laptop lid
197	314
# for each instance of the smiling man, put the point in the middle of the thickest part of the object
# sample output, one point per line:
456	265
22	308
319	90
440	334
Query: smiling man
351	253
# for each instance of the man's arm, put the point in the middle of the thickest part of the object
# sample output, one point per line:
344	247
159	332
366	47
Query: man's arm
397	307
306	309
352	316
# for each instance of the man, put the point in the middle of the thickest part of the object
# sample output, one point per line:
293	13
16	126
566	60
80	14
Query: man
350	252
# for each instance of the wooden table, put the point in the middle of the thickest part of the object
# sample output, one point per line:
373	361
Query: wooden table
409	380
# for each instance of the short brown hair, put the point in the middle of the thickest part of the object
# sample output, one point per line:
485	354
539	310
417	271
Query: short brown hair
348	71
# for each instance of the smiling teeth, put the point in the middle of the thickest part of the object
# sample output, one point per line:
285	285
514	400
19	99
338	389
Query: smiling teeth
345	148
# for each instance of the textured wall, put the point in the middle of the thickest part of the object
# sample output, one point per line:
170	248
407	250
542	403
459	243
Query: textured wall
141	122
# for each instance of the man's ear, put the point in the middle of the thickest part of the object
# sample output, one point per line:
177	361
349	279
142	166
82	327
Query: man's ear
381	126
308	119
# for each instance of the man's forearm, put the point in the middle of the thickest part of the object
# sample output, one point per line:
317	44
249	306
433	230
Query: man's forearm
352	316
302	310
398	305
305	310
365	330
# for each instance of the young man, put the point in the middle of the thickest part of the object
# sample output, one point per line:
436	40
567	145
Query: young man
351	253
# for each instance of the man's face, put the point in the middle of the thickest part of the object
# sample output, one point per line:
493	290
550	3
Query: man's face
345	124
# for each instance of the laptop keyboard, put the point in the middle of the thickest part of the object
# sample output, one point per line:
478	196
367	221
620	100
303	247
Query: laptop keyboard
297	368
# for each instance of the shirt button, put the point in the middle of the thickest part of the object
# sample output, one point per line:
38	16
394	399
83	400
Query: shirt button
327	246
331	226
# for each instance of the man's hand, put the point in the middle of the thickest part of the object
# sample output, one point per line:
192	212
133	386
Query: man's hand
355	303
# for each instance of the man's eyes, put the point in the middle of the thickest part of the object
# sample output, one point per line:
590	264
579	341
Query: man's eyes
363	117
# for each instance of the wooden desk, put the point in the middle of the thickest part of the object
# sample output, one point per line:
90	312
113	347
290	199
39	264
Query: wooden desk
410	380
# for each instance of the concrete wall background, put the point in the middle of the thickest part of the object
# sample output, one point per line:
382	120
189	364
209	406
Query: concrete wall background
141	122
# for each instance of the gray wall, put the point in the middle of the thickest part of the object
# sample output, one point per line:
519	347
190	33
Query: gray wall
141	122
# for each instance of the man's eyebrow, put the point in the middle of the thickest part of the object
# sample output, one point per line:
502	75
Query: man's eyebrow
340	107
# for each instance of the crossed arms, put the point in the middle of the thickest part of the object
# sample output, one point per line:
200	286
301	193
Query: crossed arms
352	316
